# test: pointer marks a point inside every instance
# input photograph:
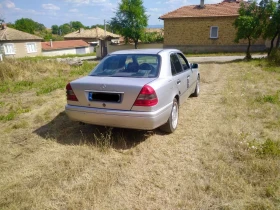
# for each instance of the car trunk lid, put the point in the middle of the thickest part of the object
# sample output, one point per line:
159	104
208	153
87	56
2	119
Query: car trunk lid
108	92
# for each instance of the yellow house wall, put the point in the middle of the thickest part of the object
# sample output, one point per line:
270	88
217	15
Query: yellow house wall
21	50
196	32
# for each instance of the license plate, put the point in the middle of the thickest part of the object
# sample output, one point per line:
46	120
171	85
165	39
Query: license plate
104	97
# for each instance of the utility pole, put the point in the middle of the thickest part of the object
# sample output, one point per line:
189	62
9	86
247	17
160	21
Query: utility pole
105	27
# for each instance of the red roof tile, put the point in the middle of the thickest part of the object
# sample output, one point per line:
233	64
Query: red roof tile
56	45
223	9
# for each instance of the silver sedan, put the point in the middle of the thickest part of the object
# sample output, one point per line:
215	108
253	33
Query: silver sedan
138	89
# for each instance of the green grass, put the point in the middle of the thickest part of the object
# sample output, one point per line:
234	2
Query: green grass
12	114
50	84
273	99
39	58
43	82
269	148
2	104
82	70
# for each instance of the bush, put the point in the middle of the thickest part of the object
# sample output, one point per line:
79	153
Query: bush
274	57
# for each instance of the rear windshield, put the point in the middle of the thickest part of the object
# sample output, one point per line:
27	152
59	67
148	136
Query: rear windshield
130	65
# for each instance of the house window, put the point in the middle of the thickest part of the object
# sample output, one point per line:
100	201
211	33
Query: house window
31	47
9	49
214	32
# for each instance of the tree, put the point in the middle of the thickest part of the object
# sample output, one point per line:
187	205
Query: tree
26	25
76	25
248	24
65	28
271	26
55	29
108	27
39	26
130	20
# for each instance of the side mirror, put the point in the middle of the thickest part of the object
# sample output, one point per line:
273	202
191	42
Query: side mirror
194	65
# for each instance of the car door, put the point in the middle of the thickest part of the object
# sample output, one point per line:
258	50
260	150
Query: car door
188	72
180	78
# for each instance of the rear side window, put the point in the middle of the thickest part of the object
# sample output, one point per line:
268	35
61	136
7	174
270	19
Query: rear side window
176	66
128	65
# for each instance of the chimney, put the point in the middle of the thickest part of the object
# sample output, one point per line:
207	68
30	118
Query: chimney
81	30
51	43
202	3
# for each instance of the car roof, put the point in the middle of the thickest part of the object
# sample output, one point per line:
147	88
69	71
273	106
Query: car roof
144	51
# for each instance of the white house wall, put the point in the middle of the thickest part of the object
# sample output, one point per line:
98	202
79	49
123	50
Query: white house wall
65	52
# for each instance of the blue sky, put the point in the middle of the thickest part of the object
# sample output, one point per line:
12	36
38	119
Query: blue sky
89	12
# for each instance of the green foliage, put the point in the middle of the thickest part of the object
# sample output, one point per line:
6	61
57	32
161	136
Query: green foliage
270	14
65	29
55	29
248	24
28	25
76	25
130	20
10	25
274	57
152	37
108	27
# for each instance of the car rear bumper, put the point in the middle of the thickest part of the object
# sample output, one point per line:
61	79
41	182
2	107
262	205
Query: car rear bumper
119	118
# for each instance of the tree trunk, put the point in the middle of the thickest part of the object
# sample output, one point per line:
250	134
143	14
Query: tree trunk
271	44
248	55
278	41
135	44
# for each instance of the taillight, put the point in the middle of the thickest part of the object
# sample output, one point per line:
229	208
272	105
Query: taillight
70	93
146	97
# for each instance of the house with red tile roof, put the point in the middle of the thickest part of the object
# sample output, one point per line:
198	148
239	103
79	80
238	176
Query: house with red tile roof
205	28
53	48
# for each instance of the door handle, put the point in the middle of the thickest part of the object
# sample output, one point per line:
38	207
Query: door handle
178	82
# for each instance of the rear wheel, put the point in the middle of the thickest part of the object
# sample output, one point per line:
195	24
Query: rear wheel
171	125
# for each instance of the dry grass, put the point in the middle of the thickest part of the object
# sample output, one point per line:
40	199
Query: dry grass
224	155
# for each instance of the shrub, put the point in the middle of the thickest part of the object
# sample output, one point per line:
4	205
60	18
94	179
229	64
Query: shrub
274	57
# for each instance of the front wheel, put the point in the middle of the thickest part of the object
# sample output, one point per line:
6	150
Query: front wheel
171	125
197	88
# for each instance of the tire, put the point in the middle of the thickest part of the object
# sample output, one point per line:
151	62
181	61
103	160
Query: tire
172	122
197	88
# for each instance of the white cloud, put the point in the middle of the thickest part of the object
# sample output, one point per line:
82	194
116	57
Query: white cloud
9	4
93	2
183	2
93	18
212	2
50	7
154	9
0	5
78	1
73	10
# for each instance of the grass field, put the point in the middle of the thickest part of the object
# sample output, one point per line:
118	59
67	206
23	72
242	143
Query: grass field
225	153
